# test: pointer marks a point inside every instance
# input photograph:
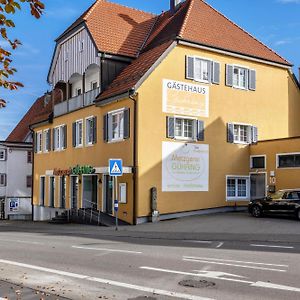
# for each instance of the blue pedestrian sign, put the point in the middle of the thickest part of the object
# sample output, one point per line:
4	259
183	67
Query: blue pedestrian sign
115	167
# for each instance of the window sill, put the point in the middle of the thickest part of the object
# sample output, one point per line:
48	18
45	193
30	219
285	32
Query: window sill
89	145
116	141
237	199
240	88
78	147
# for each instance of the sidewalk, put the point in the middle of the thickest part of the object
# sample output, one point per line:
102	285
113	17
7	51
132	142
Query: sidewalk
9	291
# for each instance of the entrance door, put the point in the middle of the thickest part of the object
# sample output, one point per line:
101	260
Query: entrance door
90	191
108	194
2	209
63	183
258	186
74	192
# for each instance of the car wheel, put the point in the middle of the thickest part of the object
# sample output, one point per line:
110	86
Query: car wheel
256	211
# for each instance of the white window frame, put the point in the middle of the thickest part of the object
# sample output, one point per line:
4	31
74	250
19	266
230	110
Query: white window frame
89	143
120	135
285	154
194	136
254	156
58	147
238	86
249	137
77	122
3	151
45	136
92	83
39	141
236	198
202	60
40	193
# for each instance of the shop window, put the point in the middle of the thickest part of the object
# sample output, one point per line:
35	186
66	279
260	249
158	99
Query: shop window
240	77
51	191
2	154
29	181
185	129
60	137
289	160
42	190
117	125
78	133
91	130
242	134
258	162
202	70
237	188
3	180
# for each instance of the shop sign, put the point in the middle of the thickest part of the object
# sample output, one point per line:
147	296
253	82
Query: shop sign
60	172
78	170
185	167
14	204
185	98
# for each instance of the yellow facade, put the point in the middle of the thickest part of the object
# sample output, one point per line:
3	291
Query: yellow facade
273	107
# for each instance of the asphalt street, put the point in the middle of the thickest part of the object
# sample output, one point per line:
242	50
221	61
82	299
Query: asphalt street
192	258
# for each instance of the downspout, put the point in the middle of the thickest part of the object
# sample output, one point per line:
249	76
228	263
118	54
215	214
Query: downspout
132	94
32	172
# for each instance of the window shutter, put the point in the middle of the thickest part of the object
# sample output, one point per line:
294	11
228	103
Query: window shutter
252	80
109	127
74	134
254	134
94	130
105	128
49	140
53	138
189	67
229	75
170	127
215	78
65	136
126	123
200	130
5	179
230	133
35	142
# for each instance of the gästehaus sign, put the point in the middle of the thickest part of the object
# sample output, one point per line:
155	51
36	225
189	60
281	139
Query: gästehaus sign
78	170
185	98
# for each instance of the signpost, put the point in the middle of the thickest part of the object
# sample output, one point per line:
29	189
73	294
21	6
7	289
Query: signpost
115	170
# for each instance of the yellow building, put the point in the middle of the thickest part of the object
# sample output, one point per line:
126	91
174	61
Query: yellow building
179	100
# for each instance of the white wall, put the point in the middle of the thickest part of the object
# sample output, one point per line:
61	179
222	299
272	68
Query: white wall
91	77
76	85
3	170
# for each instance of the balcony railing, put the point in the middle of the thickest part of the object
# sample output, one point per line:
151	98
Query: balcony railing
75	103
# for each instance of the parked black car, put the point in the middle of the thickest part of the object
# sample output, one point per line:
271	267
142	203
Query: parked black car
283	202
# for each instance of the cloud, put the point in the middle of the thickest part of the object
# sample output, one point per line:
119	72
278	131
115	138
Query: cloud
289	1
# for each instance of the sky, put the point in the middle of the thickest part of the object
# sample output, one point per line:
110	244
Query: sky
274	22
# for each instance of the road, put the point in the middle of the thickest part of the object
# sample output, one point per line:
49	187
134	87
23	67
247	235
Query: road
84	262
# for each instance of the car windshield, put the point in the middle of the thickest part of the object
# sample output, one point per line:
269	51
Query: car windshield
277	195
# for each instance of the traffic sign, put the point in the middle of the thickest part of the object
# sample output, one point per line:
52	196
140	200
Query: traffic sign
115	167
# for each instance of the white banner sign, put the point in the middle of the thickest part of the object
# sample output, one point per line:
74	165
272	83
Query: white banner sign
185	98
185	167
14	204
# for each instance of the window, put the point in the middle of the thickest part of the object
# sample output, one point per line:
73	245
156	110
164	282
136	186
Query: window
29	157
242	133
117	125
81	46
39	138
52	191
63	183
3	180
203	70
29	181
47	140
240	77
185	129
78	133
289	160
60	137
3	154
237	188
42	190
90	130
78	91
94	85
258	162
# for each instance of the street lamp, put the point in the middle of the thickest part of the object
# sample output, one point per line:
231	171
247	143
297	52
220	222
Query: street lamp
2	103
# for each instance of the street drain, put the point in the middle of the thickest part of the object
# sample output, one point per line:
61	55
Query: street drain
197	283
143	298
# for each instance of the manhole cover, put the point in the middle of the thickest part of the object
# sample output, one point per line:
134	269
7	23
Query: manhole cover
197	283
143	298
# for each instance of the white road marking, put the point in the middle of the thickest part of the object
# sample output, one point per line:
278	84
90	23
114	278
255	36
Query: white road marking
217	277
269	285
233	265
21	241
197	242
236	261
220	245
107	281
106	249
272	246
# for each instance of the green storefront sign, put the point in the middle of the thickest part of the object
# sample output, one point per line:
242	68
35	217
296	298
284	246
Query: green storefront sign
83	170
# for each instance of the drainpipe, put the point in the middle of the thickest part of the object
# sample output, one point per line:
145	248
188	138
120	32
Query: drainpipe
132	94
32	173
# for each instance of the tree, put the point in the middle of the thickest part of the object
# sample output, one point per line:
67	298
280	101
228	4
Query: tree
8	8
